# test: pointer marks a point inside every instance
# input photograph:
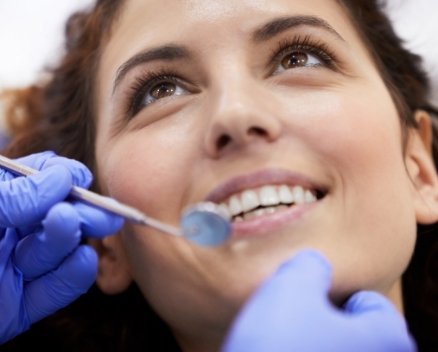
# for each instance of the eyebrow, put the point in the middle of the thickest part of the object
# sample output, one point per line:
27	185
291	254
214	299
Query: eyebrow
279	25
168	52
172	52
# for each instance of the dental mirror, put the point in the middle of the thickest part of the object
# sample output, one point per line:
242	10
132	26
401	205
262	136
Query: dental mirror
203	223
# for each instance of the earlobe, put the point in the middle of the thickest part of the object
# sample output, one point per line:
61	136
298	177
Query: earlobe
113	275
422	170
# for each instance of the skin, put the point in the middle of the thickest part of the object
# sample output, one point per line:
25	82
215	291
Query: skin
240	113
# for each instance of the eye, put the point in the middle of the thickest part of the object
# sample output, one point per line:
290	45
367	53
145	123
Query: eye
302	53
151	87
162	89
299	59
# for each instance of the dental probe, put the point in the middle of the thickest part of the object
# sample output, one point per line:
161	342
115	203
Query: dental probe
202	223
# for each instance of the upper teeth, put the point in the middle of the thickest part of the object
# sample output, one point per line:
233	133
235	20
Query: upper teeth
267	196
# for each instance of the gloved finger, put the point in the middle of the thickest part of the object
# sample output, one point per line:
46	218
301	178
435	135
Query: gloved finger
25	200
364	302
308	271
43	251
12	322
81	175
34	161
61	287
371	309
297	289
7	244
96	222
378	309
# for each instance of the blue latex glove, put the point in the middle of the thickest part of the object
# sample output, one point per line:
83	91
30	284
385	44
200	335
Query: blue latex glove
291	312
43	266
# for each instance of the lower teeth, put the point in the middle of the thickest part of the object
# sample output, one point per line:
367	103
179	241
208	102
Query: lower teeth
259	212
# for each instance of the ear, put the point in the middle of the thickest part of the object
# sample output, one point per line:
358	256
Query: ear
113	275
421	168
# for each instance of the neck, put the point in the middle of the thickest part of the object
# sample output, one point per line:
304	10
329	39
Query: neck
213	340
396	297
211	344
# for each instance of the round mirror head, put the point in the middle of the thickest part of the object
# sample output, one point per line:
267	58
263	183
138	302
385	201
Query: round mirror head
205	224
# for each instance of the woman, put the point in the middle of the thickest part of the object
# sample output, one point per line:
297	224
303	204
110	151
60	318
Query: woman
307	121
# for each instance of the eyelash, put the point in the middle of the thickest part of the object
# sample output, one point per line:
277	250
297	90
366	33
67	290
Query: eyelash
144	83
304	44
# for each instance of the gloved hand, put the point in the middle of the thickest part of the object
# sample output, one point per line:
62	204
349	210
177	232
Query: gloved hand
43	266
291	312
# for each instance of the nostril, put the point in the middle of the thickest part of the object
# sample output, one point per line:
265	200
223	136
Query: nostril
223	141
257	131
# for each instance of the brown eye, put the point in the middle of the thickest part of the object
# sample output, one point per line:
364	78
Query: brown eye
162	90
302	53
295	59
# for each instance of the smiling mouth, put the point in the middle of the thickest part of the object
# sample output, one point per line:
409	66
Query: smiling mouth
268	199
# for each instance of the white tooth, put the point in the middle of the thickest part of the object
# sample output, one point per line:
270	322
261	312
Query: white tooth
234	206
309	197
253	214
223	210
270	210
298	193
268	196
285	195
264	211
281	207
249	200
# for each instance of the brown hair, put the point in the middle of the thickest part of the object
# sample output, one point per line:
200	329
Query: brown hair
59	116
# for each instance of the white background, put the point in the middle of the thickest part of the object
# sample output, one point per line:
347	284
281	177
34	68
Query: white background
31	34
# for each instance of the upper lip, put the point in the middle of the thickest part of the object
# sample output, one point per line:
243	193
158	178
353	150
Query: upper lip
260	178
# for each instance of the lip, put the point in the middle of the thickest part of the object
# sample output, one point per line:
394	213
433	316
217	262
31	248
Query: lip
269	223
260	178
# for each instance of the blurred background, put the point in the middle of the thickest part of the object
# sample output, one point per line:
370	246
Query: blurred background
416	21
31	35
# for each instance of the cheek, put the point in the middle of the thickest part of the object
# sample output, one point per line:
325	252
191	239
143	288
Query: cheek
145	170
358	131
358	135
372	217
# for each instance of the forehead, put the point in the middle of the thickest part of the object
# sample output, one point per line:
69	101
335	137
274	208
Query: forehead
211	10
152	22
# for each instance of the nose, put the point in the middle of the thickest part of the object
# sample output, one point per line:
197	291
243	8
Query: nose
240	116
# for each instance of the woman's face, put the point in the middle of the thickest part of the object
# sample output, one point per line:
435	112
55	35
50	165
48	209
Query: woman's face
246	103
